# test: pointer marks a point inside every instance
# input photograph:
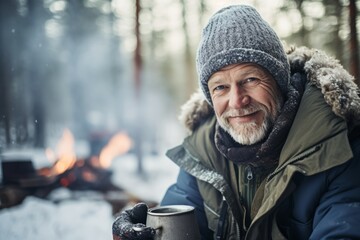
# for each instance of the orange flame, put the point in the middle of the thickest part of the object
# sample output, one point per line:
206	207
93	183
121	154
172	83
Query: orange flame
64	157
117	145
50	155
65	153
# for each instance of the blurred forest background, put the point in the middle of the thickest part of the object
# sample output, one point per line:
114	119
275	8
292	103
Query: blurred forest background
97	67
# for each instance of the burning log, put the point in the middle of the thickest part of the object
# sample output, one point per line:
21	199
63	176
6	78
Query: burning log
84	176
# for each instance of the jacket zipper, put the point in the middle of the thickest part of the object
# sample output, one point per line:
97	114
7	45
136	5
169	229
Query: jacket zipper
249	173
222	219
249	191
249	185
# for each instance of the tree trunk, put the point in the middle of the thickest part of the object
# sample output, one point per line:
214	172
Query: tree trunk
7	23
190	84
354	47
338	43
303	31
137	79
37	73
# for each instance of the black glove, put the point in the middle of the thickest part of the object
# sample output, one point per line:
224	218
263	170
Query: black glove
130	225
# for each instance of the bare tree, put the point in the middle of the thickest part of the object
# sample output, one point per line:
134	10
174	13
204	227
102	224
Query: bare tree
37	74
335	8
7	39
304	33
202	10
354	47
189	64
137	79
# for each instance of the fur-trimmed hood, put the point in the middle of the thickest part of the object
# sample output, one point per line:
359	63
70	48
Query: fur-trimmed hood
323	71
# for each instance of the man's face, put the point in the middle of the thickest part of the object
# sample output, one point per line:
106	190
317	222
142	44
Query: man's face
246	101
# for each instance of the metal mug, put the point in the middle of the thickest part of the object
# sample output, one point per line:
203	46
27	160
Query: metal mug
173	222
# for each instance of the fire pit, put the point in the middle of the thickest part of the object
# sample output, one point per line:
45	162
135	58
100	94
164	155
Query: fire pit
21	179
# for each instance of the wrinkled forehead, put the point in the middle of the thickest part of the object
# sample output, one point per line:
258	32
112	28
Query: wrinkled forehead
246	68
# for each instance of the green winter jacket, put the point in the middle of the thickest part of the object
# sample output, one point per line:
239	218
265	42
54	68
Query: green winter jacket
293	200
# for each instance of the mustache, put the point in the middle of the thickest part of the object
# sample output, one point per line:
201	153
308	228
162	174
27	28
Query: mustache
243	111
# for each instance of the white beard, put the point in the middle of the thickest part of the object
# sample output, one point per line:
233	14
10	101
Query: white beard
248	133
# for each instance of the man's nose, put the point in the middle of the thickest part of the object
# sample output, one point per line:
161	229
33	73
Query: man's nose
238	98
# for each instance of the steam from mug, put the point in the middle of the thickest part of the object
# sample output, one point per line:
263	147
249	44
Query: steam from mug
174	222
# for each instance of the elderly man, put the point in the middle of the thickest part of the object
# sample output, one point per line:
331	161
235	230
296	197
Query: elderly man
273	150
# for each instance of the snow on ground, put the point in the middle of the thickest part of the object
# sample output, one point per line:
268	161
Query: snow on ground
159	174
69	220
86	217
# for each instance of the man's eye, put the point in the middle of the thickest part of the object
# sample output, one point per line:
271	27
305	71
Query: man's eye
251	81
219	88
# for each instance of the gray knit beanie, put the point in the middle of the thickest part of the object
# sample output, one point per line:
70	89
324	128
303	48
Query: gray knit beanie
238	34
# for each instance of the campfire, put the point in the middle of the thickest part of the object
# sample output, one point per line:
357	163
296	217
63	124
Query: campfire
21	179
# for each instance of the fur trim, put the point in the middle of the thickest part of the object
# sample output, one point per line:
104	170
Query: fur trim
195	111
337	85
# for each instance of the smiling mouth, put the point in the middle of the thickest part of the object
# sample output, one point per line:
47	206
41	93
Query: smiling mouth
243	118
244	115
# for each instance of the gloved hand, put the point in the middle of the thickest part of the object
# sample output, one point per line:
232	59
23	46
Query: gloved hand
130	225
